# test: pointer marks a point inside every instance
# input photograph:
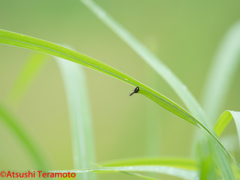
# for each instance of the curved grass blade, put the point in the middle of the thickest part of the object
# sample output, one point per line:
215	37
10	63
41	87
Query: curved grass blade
183	163
27	74
21	133
177	172
152	60
19	40
180	89
81	126
224	120
221	74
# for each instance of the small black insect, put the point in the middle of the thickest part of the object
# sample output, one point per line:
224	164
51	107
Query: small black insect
135	90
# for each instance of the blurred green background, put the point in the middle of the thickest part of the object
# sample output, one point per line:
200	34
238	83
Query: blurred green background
183	34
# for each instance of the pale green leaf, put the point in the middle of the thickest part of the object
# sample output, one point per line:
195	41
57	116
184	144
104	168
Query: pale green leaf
29	71
177	172
183	163
222	72
28	42
207	165
152	60
79	112
25	138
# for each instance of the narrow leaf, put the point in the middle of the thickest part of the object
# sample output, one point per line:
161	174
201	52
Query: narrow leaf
224	120
207	165
177	172
183	163
152	60
81	126
222	72
138	175
26	76
28	42
22	134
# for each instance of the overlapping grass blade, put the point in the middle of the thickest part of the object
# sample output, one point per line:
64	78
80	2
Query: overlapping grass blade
14	39
207	166
26	76
177	172
81	125
224	119
184	163
154	124
163	71
222	73
230	142
149	58
75	85
19	40
22	134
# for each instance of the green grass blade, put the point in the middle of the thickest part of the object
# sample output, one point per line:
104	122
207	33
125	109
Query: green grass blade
154	116
224	120
154	124
152	60
21	133
28	42
138	175
207	165
207	170
177	172
128	173
221	74
183	163
19	40
26	76
163	71
81	126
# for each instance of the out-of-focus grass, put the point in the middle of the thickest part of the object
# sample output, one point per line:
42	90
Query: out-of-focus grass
168	76
183	163
26	76
204	165
24	41
178	172
222	73
24	137
79	113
